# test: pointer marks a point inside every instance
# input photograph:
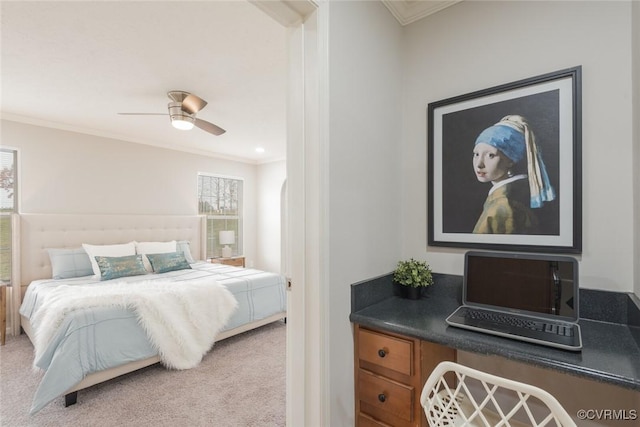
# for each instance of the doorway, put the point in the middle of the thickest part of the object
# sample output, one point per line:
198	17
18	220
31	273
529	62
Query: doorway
306	396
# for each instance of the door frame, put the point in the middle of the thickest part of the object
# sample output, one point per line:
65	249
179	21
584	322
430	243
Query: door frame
307	352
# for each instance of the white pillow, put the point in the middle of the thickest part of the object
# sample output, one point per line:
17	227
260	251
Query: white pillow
68	263
184	247
107	250
154	248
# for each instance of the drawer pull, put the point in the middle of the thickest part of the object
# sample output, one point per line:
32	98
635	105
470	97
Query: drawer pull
382	352
382	398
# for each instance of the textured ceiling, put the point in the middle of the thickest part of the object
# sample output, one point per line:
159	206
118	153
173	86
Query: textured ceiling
75	65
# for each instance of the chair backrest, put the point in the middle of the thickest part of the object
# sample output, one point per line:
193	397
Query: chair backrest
476	398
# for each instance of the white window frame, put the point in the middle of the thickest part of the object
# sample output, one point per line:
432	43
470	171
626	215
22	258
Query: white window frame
6	217
212	245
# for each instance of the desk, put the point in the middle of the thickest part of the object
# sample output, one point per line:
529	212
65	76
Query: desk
610	354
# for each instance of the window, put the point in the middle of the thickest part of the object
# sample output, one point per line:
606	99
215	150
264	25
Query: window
220	199
8	205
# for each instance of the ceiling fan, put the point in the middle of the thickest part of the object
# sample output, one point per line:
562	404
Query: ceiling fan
182	112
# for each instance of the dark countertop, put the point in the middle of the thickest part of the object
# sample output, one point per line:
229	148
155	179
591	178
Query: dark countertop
610	353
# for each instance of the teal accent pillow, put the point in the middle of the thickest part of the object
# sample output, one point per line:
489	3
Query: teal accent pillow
161	263
69	263
122	266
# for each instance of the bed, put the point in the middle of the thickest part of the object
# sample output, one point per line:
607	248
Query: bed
97	343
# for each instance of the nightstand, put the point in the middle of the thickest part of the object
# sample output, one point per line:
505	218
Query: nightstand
236	261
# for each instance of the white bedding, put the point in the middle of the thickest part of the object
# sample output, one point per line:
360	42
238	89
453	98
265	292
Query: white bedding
94	339
171	313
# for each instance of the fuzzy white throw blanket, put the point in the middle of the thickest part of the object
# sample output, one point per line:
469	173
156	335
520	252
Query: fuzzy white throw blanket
181	319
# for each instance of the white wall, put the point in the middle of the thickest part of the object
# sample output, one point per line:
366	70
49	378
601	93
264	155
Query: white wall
476	45
365	133
270	178
68	172
375	143
635	46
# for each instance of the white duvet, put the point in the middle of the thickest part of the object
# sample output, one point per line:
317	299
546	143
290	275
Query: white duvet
181	319
114	333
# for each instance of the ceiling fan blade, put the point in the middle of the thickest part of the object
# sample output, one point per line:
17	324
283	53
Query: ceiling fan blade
143	114
209	127
192	104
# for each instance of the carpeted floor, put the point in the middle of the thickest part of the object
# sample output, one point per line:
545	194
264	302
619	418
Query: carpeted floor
241	382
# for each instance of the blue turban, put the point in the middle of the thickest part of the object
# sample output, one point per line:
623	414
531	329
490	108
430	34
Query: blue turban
506	139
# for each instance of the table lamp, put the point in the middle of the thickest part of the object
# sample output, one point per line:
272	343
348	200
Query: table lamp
227	237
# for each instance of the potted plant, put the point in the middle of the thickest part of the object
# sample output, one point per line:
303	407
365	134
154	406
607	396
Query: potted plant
413	276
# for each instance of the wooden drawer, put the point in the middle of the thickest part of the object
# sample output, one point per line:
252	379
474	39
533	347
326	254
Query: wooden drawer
386	351
365	420
378	393
398	373
236	261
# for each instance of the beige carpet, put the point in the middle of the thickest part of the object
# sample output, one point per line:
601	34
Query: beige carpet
241	382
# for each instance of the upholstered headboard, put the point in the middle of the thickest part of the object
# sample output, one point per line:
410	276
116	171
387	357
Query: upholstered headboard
39	232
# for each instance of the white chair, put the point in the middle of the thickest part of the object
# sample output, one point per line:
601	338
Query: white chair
475	398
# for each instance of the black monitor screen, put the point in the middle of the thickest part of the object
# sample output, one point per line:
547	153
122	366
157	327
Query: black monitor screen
545	285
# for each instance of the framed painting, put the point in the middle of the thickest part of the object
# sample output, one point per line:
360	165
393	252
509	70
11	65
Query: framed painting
505	166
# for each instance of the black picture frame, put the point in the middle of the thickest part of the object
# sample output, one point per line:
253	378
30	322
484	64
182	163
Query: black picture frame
552	106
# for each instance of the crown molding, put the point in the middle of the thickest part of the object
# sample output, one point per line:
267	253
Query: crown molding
408	11
101	134
288	13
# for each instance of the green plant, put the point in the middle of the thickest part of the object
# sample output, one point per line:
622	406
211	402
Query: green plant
413	273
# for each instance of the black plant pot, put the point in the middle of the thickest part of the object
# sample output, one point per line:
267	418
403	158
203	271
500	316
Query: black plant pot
406	291
399	290
414	293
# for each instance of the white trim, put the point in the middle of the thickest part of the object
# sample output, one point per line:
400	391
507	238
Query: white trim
102	134
284	231
296	356
16	274
289	13
14	294
406	11
322	209
307	373
218	175
18	171
240	217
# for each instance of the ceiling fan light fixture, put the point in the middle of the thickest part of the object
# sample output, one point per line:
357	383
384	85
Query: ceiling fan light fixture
182	113
182	124
180	119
